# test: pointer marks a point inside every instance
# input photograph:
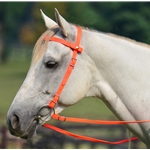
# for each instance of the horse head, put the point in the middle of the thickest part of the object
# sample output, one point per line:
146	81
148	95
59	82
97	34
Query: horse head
29	108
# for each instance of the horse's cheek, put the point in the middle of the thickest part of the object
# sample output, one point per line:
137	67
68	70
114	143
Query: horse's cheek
77	87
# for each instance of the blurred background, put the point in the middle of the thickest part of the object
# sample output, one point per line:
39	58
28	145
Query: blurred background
20	26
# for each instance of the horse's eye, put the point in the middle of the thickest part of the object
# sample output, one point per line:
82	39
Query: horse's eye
51	64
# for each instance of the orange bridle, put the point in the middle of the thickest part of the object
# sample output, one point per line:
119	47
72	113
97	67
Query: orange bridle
77	49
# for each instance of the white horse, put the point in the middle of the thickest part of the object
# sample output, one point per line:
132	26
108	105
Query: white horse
115	69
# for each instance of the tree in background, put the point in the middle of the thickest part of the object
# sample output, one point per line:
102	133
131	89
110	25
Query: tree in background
12	16
35	27
21	22
130	19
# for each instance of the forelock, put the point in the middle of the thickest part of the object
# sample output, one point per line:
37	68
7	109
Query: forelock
42	43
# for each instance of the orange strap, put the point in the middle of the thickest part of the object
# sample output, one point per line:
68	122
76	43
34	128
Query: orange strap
81	120
87	138
76	49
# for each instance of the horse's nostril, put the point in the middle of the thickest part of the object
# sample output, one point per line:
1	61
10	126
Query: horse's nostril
15	121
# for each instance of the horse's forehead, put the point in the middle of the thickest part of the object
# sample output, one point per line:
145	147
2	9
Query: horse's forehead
41	45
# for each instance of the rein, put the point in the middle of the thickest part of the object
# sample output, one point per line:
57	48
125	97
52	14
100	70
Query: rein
77	50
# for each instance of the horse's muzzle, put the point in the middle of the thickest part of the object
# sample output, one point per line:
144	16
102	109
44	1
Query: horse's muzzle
21	128
25	127
15	128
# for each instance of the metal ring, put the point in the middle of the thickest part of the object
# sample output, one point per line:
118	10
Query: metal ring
51	111
42	108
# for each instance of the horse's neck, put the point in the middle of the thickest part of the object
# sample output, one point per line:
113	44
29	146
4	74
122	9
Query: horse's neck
123	67
107	51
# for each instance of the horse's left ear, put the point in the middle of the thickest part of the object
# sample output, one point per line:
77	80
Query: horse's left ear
63	24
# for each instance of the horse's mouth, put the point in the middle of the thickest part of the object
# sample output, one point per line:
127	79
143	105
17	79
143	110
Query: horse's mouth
31	132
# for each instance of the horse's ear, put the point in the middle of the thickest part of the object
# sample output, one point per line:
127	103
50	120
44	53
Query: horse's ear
49	23
63	24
